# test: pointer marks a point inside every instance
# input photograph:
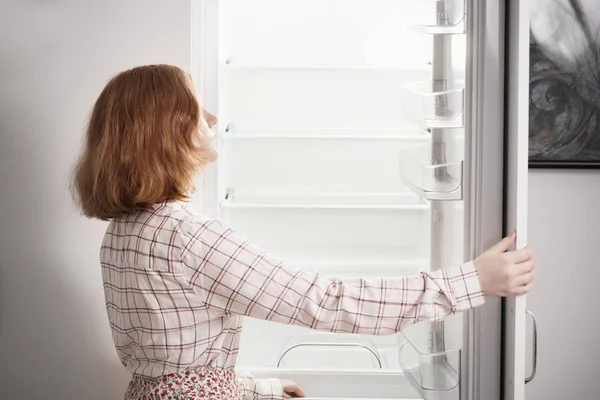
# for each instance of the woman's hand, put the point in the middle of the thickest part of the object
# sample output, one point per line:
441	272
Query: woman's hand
503	273
292	389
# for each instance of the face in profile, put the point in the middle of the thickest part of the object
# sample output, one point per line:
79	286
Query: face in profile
206	133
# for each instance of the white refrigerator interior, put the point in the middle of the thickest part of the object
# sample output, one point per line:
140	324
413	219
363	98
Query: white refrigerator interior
341	141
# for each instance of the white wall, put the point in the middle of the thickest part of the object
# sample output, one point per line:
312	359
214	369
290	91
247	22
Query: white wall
564	229
55	57
54	339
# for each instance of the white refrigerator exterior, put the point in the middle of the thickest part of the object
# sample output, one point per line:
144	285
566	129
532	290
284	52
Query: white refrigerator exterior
461	358
517	112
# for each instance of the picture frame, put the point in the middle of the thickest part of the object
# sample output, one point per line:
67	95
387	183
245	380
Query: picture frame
564	86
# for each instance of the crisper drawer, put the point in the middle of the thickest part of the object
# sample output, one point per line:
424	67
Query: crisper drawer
338	385
268	345
320	165
315	235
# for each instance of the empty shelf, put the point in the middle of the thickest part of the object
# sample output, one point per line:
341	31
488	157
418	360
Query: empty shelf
320	136
366	269
231	65
400	266
386	201
231	133
434	104
431	179
230	204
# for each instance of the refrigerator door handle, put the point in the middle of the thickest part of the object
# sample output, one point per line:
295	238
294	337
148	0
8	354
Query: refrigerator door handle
535	350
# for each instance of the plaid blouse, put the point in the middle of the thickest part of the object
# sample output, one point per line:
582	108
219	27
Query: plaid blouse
177	285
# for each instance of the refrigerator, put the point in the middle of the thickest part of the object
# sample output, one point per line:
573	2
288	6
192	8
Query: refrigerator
373	138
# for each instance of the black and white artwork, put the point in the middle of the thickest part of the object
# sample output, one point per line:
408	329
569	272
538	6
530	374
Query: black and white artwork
564	87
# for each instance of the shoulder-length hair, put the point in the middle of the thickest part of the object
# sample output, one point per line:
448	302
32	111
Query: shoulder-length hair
142	144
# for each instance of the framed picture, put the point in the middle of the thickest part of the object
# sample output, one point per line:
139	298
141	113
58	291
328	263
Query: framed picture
564	86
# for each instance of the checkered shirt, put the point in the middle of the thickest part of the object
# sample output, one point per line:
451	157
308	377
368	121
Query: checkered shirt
177	285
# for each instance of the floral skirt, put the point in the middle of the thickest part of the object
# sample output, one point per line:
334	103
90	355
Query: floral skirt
200	383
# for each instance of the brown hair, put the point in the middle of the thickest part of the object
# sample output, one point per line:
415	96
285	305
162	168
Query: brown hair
142	145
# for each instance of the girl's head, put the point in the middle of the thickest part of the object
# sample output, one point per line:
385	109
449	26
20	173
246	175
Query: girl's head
146	138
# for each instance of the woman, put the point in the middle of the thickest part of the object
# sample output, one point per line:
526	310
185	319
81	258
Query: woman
177	283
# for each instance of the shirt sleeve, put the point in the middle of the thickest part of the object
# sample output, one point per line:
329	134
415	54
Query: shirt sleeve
261	389
231	274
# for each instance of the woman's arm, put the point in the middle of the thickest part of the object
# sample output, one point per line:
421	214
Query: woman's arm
231	274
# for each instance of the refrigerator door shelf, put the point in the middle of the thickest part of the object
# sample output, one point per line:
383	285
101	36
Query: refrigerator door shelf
434	104
450	123
430	357
433	371
434	374
457	29
445	17
431	179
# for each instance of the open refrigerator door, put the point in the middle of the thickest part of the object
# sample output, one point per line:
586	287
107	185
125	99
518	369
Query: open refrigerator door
351	137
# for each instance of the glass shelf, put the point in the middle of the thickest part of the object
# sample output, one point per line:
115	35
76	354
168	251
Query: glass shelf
440	17
251	199
434	104
351	267
321	234
431	179
270	99
232	133
231	65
